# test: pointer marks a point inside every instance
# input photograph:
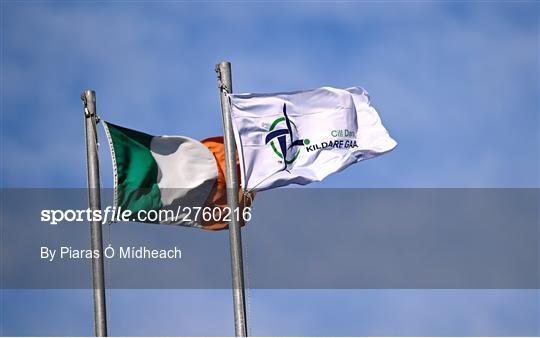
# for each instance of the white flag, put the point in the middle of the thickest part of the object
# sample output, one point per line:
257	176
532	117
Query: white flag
302	137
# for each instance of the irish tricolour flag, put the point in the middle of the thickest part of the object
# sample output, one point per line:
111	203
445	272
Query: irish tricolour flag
167	173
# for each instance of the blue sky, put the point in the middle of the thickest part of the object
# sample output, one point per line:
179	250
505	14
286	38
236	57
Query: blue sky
456	84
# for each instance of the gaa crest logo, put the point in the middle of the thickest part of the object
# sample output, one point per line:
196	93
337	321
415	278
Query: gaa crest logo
283	138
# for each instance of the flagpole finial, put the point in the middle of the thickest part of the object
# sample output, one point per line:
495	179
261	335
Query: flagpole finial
223	70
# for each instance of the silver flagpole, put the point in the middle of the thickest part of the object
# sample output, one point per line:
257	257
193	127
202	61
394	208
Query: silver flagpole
223	71
94	202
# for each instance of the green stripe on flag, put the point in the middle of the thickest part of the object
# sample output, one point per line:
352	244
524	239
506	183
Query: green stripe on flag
136	170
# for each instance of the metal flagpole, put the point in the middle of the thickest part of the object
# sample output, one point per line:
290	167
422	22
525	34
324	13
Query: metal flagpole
223	71
94	202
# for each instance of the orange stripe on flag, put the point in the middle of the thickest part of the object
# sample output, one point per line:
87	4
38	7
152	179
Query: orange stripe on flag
218	196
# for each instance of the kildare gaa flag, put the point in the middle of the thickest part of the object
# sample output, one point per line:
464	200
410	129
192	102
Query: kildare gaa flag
302	137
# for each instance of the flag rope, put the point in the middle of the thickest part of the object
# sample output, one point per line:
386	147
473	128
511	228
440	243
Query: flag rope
109	242
108	263
108	278
248	276
115	168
